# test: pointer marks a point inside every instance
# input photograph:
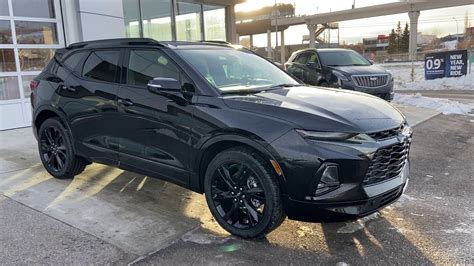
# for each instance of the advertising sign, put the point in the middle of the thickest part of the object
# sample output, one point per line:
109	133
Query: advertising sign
446	64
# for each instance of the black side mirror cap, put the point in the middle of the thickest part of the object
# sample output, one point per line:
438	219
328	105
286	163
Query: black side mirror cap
164	84
312	65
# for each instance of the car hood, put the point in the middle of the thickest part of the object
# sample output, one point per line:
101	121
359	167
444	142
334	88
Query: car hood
357	70
321	109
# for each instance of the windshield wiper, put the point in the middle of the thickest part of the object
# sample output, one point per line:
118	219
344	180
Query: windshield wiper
284	85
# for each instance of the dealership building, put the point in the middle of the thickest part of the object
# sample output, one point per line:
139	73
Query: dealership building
31	30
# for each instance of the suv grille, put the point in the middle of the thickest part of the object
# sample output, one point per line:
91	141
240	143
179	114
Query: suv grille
387	134
370	81
387	163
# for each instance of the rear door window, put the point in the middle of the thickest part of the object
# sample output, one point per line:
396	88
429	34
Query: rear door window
102	65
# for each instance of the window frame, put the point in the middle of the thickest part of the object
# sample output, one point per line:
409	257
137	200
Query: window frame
126	61
301	55
117	77
317	56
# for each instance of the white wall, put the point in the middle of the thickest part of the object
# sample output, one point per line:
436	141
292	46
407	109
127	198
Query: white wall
101	19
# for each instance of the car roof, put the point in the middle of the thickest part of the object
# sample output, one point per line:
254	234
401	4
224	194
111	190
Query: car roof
148	42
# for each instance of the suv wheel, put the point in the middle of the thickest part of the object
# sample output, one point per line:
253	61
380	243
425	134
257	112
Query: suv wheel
242	193
56	152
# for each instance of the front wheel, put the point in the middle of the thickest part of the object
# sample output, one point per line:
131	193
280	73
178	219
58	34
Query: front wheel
242	193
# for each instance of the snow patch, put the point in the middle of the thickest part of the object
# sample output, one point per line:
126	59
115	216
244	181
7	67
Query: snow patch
444	106
353	227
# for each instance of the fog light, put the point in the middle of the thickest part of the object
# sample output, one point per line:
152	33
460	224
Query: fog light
329	180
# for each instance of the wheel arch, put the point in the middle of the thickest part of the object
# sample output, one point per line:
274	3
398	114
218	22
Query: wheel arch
46	112
220	143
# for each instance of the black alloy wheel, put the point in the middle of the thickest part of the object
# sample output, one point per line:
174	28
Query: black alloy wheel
56	150
53	148
243	193
238	195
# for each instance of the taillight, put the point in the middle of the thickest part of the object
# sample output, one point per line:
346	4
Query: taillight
34	84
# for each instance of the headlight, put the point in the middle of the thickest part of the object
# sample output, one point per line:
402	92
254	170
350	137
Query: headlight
339	75
317	135
390	74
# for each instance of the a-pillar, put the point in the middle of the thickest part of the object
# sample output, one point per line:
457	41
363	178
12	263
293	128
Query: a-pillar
413	15
269	44
312	34
282	48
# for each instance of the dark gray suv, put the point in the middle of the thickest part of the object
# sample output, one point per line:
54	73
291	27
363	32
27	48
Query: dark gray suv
340	68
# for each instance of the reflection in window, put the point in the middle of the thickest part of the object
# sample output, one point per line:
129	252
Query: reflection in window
9	88
214	23
28	32
25	80
101	65
7	60
145	65
34	59
131	15
188	21
36	8
5	32
156	15
3	7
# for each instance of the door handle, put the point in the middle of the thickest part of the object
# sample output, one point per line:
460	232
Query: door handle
125	102
68	88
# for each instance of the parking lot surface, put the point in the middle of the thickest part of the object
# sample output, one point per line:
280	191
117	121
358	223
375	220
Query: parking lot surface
107	215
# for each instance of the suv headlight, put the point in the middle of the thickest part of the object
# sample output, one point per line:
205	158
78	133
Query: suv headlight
340	77
317	135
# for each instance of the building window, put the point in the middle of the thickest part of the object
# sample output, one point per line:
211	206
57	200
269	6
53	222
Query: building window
192	21
188	21
7	60
36	8
9	88
28	32
214	23
5	32
34	59
4	8
25	80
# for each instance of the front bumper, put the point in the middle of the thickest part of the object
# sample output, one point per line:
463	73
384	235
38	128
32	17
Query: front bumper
302	161
378	196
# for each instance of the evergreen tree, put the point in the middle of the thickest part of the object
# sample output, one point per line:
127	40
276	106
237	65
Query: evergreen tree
405	39
398	31
392	43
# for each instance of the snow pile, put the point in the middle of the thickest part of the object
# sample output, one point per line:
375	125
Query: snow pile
442	105
460	83
401	72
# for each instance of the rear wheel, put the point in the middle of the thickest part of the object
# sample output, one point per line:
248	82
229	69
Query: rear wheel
56	152
242	193
323	84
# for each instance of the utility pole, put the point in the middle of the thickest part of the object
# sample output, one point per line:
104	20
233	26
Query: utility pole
275	9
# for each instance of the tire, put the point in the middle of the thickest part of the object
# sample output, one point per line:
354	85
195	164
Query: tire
56	150
249	206
323	84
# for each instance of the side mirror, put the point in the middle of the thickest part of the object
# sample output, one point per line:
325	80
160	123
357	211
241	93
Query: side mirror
164	84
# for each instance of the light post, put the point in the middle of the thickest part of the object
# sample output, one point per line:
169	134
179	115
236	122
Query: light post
457	31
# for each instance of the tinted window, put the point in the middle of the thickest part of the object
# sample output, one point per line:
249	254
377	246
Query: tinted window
101	65
302	58
313	59
72	62
144	65
342	58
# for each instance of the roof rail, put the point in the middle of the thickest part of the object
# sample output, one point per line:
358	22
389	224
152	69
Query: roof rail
218	42
121	41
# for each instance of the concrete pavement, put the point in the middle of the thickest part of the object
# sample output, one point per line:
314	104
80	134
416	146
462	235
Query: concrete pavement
146	220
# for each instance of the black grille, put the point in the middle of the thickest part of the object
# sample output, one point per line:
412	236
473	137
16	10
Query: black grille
387	163
370	81
387	134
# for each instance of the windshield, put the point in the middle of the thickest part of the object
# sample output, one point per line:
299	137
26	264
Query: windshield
233	71
342	58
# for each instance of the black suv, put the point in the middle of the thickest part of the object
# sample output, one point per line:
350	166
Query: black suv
223	121
340	68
